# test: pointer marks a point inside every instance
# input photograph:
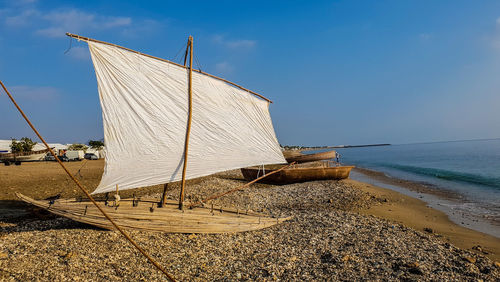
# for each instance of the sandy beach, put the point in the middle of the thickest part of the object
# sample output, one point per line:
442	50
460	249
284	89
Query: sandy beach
341	230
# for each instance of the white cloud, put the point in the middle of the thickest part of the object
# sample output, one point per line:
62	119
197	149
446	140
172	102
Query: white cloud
51	32
147	26
22	19
234	44
495	36
76	21
425	36
224	68
79	53
55	23
24	2
117	22
38	93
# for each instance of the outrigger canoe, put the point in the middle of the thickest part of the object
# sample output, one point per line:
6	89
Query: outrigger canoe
147	215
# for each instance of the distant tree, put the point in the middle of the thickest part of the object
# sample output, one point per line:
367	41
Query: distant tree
25	145
77	147
95	144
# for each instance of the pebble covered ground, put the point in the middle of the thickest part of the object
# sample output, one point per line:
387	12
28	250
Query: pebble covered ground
326	240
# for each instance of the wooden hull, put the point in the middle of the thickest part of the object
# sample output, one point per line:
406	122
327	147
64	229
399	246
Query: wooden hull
300	174
311	157
167	219
24	156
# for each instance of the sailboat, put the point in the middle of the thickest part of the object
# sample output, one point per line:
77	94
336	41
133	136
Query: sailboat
166	122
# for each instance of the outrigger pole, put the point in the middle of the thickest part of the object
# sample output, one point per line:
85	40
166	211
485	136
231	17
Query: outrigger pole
190	113
156	264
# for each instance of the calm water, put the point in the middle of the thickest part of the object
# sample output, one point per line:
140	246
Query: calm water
469	168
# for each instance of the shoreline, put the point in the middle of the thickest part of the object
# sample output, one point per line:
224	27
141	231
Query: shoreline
418	214
445	200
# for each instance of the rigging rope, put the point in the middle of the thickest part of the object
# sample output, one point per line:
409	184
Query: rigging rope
178	53
197	61
78	172
213	197
70	45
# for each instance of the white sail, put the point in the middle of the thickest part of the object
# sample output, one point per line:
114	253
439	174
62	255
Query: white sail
145	109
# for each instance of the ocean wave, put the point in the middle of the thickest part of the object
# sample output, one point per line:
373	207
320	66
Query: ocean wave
448	175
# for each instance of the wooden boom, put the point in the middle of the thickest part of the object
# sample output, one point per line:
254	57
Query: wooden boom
167	61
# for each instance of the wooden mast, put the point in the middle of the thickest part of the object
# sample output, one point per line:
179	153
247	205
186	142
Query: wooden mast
190	112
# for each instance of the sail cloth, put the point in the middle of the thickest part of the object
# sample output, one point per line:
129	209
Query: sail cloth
145	110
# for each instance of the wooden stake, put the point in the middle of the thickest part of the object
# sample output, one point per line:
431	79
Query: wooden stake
190	113
164	196
117	197
179	65
125	234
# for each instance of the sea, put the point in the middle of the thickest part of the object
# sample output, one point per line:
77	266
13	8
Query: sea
465	173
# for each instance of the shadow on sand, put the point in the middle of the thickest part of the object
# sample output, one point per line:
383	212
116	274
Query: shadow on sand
18	216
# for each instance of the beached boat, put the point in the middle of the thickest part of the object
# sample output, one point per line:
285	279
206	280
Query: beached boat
144	214
304	158
297	174
19	157
165	122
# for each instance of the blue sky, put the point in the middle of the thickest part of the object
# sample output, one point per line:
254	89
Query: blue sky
339	72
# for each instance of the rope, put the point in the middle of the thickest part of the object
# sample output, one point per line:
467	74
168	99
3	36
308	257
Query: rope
263	170
70	45
213	197
171	278
178	53
197	61
78	172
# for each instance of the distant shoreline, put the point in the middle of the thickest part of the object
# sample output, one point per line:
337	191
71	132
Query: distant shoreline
300	148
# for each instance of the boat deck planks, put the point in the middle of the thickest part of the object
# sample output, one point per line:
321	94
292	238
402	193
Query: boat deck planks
167	219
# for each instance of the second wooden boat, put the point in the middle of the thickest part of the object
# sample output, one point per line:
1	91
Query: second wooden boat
304	158
19	157
297	174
